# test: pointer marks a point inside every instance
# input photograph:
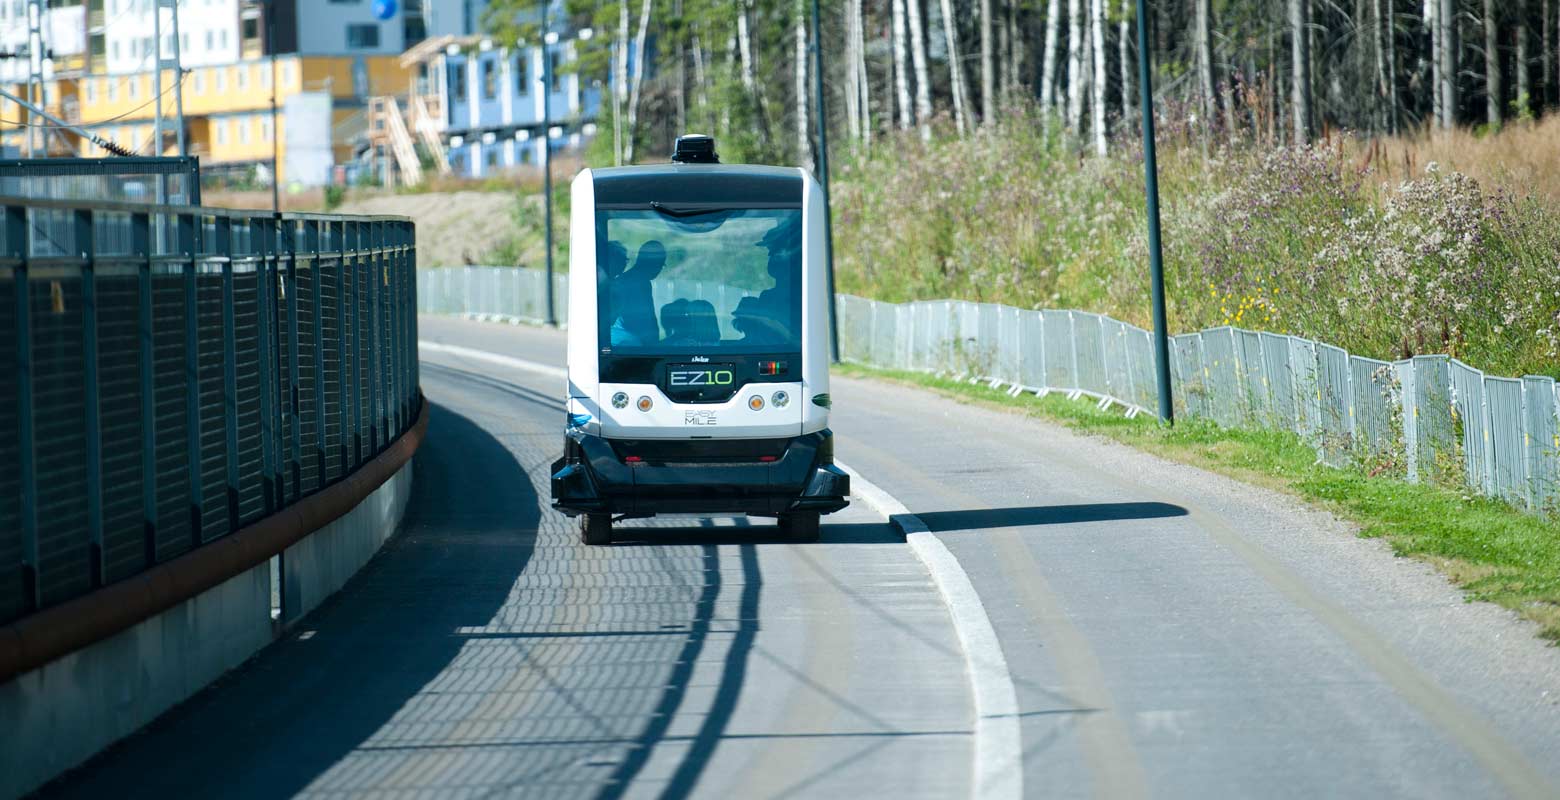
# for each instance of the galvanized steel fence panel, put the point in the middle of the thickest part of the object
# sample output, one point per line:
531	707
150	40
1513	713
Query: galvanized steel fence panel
180	373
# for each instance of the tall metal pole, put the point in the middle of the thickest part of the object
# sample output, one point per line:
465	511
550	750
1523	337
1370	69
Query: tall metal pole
276	133
1155	257
157	87
552	318
178	85
823	179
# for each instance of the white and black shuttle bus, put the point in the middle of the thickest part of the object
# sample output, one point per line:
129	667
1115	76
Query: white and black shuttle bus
698	346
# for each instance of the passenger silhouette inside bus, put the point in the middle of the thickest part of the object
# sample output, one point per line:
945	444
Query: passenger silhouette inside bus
766	317
632	298
690	323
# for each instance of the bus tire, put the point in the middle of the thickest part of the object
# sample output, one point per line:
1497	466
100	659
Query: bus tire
596	529
801	526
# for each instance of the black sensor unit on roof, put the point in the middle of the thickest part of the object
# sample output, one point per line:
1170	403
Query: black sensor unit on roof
695	148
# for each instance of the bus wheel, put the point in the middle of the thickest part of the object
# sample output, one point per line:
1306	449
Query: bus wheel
801	526
596	529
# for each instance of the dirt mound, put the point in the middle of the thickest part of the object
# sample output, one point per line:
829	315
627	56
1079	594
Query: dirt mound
453	228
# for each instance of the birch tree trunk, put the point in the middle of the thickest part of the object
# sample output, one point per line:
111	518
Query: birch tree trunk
803	140
1524	104
1053	12
745	46
619	83
1432	16
637	80
1492	84
1124	45
1016	51
1300	67
901	74
923	83
1392	85
988	105
852	91
1075	46
700	75
1378	50
863	80
961	110
1202	35
1097	22
1446	21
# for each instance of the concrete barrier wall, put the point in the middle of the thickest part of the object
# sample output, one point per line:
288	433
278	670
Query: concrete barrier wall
59	715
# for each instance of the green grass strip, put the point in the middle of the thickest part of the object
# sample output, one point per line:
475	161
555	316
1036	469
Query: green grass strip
1495	552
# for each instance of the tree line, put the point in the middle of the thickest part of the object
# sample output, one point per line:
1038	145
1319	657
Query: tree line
1274	71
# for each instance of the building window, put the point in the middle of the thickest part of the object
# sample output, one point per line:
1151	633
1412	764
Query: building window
265	76
211	40
221	79
286	72
523	74
116	49
243	130
184	43
135	87
265	129
113	91
362	37
489	80
554	59
242	74
491	153
221	126
458	83
91	90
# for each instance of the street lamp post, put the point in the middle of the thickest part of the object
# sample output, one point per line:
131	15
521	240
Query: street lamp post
1155	257
823	179
548	38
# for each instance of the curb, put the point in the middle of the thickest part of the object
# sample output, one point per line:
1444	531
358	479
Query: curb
998	768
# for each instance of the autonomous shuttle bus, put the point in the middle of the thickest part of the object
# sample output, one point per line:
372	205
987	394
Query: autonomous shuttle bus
698	346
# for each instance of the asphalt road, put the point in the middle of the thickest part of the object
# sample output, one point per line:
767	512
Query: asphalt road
486	653
1168	633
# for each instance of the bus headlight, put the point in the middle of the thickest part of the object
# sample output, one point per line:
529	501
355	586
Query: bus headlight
756	402
620	400
644	403
780	399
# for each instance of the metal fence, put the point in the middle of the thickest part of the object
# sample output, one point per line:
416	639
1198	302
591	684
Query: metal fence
159	396
498	294
140	179
1424	418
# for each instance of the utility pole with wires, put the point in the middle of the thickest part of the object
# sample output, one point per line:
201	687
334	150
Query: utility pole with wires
36	96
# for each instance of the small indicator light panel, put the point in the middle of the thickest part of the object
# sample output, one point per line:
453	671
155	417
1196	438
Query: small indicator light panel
771	367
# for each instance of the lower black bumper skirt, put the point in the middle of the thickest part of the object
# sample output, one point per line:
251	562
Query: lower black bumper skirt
593	478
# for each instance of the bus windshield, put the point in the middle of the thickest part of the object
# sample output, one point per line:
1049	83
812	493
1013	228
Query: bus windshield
726	281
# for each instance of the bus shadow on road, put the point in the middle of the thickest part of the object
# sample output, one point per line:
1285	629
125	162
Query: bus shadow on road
1028	516
759	534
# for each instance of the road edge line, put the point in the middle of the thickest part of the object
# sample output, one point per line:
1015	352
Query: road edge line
492	358
998	768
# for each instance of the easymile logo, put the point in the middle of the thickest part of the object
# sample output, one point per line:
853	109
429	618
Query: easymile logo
706	418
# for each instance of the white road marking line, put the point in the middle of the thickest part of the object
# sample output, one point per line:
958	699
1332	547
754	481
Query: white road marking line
492	358
999	769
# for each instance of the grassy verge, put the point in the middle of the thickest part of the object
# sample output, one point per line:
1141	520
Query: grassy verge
1493	551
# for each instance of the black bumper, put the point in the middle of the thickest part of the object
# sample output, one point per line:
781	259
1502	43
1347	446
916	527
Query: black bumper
595	475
